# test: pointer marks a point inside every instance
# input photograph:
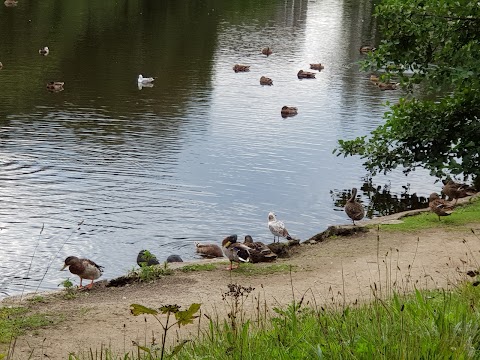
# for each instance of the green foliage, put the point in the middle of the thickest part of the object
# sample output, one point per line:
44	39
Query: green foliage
14	321
183	317
424	325
150	273
70	292
435	44
198	267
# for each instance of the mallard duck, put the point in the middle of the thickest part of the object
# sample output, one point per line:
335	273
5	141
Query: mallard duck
374	78
10	3
367	49
84	268
44	51
241	68
354	209
387	86
174	258
288	111
265	81
305	75
144	80
209	250
317	67
456	190
146	258
259	251
439	206
55	85
267	51
277	227
235	252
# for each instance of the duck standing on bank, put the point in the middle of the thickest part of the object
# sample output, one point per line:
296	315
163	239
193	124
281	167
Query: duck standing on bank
235	252
277	227
439	206
456	191
84	268
354	209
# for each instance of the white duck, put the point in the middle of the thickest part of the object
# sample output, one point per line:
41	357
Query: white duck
277	227
145	80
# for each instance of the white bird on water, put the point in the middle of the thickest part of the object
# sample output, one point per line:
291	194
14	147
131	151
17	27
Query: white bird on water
277	227
144	80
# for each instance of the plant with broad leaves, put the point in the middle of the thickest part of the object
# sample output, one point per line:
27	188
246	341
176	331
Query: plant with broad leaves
183	317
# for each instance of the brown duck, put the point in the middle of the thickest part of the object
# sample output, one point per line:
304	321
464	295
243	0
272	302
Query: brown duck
288	111
439	206
266	81
305	74
259	251
241	68
267	51
84	268
209	250
317	67
55	86
456	190
354	209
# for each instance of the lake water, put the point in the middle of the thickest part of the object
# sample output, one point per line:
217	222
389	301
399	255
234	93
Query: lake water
202	154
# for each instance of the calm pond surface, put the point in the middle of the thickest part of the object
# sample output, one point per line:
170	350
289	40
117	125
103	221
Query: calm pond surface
202	154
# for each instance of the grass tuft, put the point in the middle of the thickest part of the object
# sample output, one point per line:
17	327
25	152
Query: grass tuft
198	267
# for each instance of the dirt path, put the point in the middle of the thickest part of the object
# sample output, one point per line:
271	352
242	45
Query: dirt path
339	269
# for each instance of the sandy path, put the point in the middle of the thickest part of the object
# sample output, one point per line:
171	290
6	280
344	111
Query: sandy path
340	269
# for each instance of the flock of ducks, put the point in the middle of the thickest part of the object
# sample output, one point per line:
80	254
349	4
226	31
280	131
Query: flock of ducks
256	251
248	251
286	111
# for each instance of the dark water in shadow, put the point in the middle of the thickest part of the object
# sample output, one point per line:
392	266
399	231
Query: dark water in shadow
200	155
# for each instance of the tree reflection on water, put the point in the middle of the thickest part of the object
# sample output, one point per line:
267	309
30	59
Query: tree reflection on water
381	200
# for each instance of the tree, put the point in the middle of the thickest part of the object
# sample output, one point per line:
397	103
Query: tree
433	45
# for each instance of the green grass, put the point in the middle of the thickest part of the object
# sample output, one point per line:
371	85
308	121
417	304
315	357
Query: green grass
463	215
14	321
198	267
423	325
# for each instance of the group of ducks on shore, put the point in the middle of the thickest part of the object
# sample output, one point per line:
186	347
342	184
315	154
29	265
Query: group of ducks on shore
256	251
248	251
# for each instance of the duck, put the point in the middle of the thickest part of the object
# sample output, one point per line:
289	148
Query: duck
366	49
267	51
456	190
209	250
374	78
241	68
10	3
174	258
84	268
259	251
354	209
144	80
44	51
387	86
266	81
317	67
288	111
146	258
1	65
439	206
305	75
55	85
277	227
235	252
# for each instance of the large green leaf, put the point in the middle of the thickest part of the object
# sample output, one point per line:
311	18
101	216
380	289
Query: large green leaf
137	309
